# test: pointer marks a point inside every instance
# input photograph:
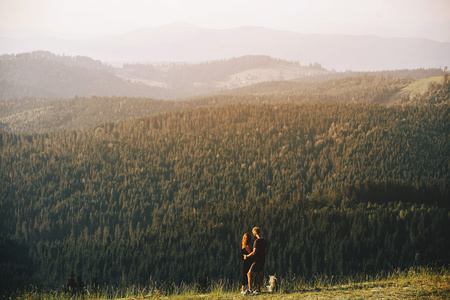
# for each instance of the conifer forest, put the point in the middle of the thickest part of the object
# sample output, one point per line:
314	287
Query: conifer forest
336	179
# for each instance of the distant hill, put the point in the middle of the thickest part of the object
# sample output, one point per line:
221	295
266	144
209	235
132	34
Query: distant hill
367	88
184	43
210	76
43	74
81	113
44	115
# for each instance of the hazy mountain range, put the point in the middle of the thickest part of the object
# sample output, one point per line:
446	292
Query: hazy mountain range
184	43
46	75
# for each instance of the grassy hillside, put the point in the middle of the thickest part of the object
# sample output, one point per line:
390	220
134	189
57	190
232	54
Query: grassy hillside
412	284
421	86
409	285
422	284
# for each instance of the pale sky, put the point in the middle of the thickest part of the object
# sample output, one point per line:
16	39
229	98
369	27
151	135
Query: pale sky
89	18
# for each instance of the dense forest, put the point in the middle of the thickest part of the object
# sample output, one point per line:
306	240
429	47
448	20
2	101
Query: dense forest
334	187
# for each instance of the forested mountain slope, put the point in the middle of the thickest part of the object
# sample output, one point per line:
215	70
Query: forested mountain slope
334	186
364	88
47	115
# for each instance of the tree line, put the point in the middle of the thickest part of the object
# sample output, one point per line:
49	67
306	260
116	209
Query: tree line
81	113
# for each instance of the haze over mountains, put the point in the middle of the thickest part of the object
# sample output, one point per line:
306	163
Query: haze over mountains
179	42
46	75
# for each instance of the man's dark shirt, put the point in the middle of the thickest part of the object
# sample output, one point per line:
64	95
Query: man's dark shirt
260	253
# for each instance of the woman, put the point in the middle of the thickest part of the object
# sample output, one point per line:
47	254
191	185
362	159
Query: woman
246	263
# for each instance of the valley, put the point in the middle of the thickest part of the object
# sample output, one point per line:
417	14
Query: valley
146	146
344	172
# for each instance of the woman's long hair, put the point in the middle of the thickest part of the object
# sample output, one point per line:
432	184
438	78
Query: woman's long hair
246	240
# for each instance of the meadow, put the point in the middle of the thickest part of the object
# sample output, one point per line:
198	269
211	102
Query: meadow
414	283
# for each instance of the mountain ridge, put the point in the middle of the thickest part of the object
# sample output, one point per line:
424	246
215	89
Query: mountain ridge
181	43
44	74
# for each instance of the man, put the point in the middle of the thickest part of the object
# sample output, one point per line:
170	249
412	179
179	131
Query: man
259	254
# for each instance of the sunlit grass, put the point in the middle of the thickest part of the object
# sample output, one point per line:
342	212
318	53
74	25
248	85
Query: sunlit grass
416	88
415	283
420	86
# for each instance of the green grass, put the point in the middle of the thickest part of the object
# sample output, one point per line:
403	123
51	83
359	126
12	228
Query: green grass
414	89
415	283
421	86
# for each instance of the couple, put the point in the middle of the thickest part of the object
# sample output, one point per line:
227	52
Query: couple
253	260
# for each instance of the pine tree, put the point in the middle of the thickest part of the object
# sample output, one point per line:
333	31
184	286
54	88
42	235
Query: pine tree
202	282
95	285
80	284
71	285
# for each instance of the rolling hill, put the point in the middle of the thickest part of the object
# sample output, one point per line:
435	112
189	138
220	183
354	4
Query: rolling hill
220	74
80	113
46	75
42	74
